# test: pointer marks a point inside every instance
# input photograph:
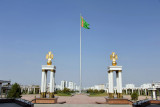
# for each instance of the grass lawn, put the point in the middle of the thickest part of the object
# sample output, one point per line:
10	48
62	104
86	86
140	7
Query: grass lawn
98	95
63	94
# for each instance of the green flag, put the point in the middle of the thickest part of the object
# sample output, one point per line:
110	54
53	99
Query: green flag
84	23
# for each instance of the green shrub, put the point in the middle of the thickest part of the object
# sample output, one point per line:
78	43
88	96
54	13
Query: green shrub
101	91
89	91
15	91
95	91
57	91
66	90
134	96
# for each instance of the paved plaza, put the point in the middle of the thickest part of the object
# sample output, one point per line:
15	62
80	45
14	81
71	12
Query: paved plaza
79	99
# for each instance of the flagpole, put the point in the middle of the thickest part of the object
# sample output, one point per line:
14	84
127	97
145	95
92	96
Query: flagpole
80	60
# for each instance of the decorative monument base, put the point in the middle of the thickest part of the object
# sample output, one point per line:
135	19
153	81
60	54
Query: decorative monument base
111	95
51	95
119	95
116	101
45	100
43	95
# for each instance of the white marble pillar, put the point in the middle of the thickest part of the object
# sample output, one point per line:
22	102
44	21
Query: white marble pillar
145	91
45	82
52	81
132	90
111	82
42	81
110	79
120	82
117	81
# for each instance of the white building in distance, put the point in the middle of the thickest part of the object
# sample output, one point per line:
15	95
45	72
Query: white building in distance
63	84
70	85
130	86
98	87
146	86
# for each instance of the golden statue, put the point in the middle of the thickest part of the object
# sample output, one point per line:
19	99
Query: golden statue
49	56
114	57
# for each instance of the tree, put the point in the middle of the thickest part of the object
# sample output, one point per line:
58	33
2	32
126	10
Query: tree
101	91
66	90
15	91
95	91
134	96
89	91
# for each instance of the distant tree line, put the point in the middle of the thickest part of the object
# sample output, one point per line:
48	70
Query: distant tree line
64	92
91	91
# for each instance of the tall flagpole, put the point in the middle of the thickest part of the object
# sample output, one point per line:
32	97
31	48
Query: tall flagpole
80	59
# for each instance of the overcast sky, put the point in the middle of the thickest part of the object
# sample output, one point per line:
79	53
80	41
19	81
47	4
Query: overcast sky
31	28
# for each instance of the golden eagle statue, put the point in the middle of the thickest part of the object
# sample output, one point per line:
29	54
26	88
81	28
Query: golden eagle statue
114	57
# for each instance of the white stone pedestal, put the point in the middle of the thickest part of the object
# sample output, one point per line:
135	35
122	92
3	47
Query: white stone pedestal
45	69
118	70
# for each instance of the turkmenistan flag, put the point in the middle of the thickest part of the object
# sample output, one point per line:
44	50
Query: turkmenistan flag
84	23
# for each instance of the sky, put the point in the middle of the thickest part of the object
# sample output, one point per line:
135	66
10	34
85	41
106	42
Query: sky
30	29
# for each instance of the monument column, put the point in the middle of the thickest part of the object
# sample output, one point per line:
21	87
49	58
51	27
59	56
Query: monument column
110	79
45	69
43	91
117	81
52	83
120	83
118	70
45	82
